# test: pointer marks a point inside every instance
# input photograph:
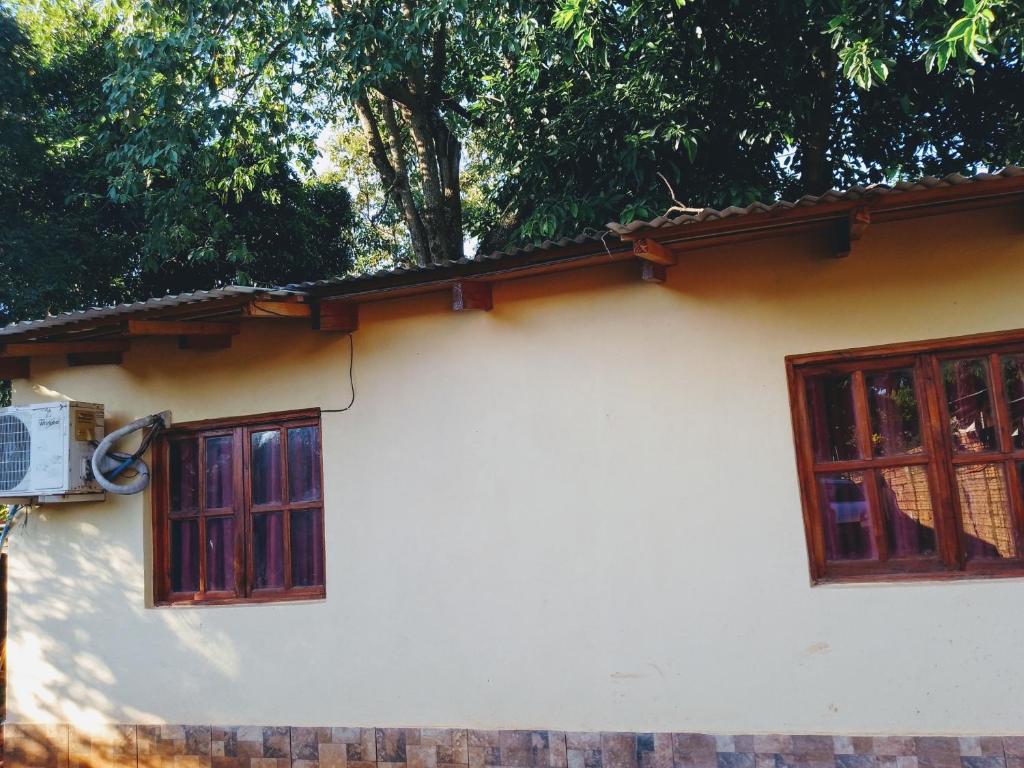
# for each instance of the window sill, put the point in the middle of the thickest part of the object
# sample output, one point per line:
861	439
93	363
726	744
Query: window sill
305	596
984	572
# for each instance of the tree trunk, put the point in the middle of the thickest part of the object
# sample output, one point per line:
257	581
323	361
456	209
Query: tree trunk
435	221
817	168
430	184
418	232
389	162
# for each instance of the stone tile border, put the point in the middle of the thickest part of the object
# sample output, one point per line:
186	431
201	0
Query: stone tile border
205	746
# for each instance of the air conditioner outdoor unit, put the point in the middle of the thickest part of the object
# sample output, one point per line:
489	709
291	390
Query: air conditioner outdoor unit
45	451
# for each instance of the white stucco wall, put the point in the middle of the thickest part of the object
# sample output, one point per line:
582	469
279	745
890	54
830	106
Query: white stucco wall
536	516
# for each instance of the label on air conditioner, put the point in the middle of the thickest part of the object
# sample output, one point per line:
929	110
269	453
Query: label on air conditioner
85	425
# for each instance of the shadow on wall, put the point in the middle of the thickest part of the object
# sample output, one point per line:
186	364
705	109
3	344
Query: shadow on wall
72	590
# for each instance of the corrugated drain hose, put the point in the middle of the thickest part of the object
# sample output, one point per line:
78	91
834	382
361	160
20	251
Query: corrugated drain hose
107	465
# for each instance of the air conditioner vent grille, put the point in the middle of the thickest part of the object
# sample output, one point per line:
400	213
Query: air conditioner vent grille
15	451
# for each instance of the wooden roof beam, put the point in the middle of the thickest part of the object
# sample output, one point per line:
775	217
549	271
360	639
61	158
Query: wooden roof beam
14	368
338	315
280	310
654	252
471	295
204	342
850	230
95	358
54	348
180	328
653	273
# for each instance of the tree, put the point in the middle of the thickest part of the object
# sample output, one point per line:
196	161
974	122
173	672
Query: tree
66	243
266	76
510	120
735	101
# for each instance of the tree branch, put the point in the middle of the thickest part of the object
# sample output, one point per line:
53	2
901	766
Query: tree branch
418	232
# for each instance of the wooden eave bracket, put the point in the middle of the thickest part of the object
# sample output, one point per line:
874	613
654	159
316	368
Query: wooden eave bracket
279	310
850	230
14	368
338	315
472	295
655	259
192	334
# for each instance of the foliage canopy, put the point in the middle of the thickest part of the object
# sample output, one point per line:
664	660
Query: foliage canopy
152	145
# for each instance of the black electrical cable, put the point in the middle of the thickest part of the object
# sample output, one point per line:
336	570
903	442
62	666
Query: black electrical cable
351	378
351	363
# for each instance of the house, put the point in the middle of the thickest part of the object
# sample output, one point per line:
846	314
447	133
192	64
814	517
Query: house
737	489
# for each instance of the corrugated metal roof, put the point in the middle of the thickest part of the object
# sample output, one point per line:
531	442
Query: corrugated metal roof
497	258
832	196
548	252
165	302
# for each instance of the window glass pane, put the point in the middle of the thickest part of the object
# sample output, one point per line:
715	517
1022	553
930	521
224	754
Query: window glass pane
845	517
830	402
985	511
970	409
307	548
184	475
268	550
895	422
220	554
303	464
1013	375
220	489
266	467
184	555
906	504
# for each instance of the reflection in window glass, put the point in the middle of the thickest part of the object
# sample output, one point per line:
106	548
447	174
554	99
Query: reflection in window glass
184	461
303	464
220	491
1013	376
265	466
846	517
220	553
830	399
307	552
985	512
184	555
906	504
968	400
268	550
895	421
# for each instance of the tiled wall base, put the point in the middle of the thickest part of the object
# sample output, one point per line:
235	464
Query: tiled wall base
203	746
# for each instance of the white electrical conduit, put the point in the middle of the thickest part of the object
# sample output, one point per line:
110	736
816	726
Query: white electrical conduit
104	465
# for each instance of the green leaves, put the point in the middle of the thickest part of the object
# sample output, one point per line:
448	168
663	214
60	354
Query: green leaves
969	37
941	35
199	146
577	16
863	66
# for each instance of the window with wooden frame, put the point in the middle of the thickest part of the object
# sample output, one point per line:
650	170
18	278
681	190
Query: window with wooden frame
238	510
911	458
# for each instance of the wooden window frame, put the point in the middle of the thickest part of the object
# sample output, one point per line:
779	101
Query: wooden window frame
241	429
939	456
